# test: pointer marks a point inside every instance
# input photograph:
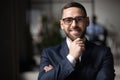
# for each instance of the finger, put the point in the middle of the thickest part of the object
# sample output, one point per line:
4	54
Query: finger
79	42
78	39
83	48
82	45
46	68
50	66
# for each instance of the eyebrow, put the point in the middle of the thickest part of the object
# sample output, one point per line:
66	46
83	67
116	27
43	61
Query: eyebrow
73	17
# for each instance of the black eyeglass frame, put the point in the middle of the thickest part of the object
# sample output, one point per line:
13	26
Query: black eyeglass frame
77	19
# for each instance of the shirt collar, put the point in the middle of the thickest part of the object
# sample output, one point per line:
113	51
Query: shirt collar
68	41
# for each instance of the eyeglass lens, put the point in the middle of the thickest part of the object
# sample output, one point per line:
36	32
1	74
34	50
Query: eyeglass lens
69	20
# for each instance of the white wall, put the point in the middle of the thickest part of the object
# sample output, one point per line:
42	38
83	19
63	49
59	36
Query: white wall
108	12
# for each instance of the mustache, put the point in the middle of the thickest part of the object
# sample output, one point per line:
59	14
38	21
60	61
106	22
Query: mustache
75	29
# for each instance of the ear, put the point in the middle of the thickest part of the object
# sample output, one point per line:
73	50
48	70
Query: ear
61	24
87	21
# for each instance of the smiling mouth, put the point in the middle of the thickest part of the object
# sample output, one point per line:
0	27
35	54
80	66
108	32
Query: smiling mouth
75	32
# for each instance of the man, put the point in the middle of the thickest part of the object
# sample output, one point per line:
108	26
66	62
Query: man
96	32
76	58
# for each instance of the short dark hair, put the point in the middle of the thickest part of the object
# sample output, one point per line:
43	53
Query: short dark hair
75	4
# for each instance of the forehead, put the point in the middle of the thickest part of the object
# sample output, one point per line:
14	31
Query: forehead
72	12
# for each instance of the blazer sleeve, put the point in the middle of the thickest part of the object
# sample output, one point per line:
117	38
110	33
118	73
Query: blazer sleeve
107	70
59	71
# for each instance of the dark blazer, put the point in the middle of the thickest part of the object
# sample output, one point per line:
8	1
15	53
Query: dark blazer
96	64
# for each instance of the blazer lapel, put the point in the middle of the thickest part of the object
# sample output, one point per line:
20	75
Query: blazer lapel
64	49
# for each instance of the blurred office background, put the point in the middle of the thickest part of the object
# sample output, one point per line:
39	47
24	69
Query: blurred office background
28	26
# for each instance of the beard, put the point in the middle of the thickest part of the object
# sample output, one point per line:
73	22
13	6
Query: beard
75	37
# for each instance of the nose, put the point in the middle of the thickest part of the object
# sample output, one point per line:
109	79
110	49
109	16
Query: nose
74	23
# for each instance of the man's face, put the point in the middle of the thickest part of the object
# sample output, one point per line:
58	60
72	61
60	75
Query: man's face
74	23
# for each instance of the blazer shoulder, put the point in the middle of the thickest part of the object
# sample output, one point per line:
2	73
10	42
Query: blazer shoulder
55	48
102	48
101	51
99	47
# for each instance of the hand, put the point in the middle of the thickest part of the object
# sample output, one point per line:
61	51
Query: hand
48	68
76	48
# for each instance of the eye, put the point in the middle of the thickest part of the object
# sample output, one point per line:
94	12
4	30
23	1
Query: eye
68	20
79	18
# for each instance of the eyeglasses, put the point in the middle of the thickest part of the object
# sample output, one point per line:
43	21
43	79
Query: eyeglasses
69	20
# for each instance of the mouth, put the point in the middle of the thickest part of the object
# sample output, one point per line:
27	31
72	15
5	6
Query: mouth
76	33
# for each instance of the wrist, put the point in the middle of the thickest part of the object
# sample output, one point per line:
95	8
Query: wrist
71	59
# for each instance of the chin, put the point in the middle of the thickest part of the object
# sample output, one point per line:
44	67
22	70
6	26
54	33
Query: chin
73	38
